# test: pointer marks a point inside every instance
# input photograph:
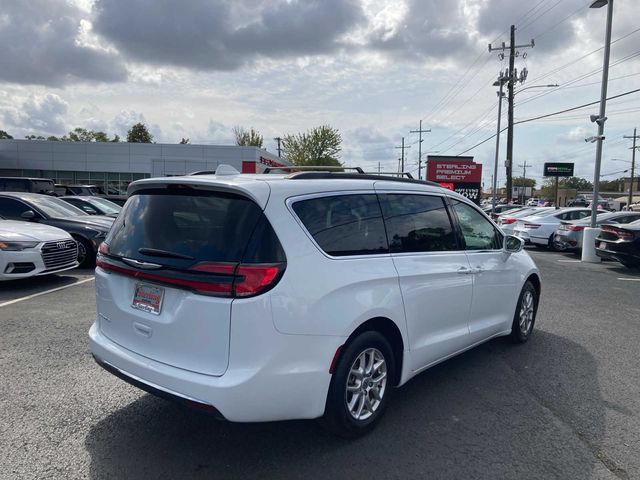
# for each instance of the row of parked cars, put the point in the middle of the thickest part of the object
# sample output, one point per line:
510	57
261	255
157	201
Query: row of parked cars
41	234
562	229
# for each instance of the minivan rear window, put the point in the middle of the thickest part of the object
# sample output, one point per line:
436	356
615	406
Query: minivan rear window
194	227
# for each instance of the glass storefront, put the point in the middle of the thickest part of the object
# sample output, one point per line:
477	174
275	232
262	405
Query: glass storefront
112	183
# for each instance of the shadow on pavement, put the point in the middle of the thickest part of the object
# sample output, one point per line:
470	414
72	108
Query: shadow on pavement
498	411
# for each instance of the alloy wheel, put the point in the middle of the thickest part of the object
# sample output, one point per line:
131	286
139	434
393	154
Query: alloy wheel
366	384
527	307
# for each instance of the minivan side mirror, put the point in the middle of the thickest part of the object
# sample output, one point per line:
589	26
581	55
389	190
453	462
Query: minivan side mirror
512	244
28	215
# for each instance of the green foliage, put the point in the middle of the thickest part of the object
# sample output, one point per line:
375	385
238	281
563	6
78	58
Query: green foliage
578	183
34	137
246	138
53	138
139	134
184	141
523	182
115	139
319	146
612	185
5	136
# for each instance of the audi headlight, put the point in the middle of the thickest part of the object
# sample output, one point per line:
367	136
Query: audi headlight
16	246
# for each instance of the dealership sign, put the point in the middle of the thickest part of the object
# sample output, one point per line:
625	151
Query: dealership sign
558	169
460	174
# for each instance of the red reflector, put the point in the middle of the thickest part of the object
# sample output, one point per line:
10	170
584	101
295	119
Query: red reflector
251	279
508	221
334	361
625	235
202	406
575	228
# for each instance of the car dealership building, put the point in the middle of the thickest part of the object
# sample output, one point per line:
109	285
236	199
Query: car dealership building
115	165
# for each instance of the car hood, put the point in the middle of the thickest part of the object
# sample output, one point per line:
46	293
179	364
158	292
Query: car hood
98	222
17	231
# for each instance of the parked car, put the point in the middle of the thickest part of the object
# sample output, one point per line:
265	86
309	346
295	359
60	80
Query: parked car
117	199
27	184
88	231
29	249
62	190
94	205
500	209
621	243
307	295
532	202
568	236
539	230
507	220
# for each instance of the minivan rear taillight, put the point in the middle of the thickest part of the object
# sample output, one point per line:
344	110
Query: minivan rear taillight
215	279
508	221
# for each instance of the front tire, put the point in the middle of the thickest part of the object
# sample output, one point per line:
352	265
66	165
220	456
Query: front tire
360	386
86	255
525	314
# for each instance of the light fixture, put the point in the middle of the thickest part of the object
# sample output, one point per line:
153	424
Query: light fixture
599	3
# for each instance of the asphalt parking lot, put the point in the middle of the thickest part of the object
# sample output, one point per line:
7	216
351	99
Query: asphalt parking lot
565	405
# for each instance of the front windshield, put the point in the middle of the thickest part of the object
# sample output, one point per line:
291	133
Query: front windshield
105	205
55	208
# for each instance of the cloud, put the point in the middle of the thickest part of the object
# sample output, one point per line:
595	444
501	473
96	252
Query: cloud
43	115
40	46
573	136
222	35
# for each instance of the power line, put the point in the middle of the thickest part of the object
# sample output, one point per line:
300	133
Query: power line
532	21
540	35
549	115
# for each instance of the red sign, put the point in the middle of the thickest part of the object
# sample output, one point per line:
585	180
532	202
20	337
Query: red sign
451	171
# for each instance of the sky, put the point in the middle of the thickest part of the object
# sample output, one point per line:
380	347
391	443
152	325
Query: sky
370	68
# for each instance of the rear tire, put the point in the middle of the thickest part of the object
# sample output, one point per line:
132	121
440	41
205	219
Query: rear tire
525	315
361	386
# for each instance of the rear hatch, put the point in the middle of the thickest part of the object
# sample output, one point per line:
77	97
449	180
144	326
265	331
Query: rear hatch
171	266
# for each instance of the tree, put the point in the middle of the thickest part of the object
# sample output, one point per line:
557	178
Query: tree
612	185
80	135
246	138
578	183
184	141
5	136
100	137
319	146
34	137
115	139
523	182
139	134
53	138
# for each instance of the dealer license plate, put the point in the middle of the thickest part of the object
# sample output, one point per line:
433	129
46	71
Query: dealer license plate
603	245
148	298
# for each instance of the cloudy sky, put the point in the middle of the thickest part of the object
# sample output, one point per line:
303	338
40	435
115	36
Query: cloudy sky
371	68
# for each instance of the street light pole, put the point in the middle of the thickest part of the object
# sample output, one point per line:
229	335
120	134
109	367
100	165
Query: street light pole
589	235
500	82
633	165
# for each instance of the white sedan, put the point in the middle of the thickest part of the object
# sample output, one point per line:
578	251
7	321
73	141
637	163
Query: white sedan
540	229
28	249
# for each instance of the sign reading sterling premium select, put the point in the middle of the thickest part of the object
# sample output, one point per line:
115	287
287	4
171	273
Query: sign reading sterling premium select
558	169
460	174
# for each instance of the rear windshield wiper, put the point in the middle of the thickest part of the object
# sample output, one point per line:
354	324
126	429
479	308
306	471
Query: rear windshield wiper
154	252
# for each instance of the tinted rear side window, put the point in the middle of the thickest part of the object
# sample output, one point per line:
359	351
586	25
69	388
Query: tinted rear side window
417	223
344	224
202	227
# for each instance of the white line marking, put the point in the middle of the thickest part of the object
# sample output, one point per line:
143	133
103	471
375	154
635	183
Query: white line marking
570	261
29	297
629	279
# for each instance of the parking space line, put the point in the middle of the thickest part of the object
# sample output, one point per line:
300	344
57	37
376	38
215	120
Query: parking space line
570	261
29	297
629	279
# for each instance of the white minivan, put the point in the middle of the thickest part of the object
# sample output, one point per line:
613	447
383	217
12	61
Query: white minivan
302	295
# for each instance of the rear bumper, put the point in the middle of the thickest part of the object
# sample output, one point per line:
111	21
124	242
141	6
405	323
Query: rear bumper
618	255
291	382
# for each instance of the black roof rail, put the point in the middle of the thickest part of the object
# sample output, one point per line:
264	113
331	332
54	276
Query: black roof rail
391	174
202	172
355	176
313	168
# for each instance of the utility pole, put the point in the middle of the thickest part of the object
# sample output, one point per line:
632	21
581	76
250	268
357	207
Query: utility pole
278	139
420	132
524	176
494	178
402	157
633	165
512	78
